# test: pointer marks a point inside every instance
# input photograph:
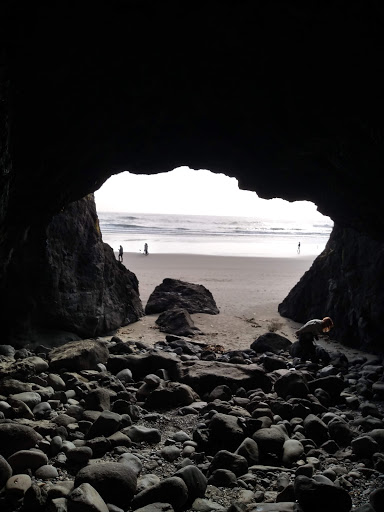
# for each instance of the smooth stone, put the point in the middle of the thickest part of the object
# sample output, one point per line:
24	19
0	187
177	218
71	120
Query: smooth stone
30	398
315	429
61	489
205	505
58	505
269	440
39	364
56	382
115	482
85	498
293	450
364	446
27	459
376	499
119	439
42	410
223	478
106	424
318	497
195	481
140	434
283	506
249	450
132	461
171	490
18	485
5	471
125	375
80	455
170	453
224	459
146	481
181	436
155	507
46	472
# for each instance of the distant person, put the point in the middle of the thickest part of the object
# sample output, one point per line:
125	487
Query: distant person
146	249
298	249
309	332
121	253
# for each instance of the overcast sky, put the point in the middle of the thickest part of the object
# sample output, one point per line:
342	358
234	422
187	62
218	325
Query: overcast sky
194	192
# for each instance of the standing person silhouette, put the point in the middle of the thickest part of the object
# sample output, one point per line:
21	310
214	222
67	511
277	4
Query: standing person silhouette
146	249
298	249
121	253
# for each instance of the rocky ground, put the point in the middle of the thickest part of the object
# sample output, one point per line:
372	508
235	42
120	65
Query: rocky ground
104	425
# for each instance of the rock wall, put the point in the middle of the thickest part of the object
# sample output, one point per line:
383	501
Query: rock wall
287	98
346	283
67	280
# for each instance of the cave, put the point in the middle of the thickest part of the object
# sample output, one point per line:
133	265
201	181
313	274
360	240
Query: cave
285	97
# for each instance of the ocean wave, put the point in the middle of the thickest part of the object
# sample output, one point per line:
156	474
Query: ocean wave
205	226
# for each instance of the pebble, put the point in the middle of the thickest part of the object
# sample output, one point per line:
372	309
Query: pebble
100	432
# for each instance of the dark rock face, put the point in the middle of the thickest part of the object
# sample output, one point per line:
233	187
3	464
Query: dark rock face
202	375
287	130
177	321
70	281
270	342
173	293
345	283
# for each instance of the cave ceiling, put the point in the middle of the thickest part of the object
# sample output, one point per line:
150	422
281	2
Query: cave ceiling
285	96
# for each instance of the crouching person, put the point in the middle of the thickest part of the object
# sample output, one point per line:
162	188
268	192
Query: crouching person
305	348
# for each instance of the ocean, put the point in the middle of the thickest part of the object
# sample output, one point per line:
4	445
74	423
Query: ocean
213	235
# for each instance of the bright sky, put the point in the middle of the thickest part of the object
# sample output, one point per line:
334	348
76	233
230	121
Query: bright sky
195	192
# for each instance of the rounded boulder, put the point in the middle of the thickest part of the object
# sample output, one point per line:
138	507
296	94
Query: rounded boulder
115	482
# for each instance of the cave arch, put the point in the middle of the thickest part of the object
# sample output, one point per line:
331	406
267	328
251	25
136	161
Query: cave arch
294	91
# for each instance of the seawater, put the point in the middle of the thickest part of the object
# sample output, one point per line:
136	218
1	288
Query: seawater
213	235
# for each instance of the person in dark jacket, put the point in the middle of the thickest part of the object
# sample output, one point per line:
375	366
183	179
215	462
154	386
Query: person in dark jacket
310	332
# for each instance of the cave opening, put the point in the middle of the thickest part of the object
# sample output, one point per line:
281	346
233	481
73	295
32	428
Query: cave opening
202	228
201	212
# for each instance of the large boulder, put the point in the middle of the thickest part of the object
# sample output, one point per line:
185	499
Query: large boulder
15	437
71	284
149	362
270	342
317	496
353	298
171	395
115	482
79	355
204	376
173	293
178	322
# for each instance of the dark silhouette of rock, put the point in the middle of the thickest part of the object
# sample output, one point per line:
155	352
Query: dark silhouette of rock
173	293
14	437
79	355
204	376
270	342
70	281
171	490
177	321
292	384
339	286
5	471
151	361
114	481
318	496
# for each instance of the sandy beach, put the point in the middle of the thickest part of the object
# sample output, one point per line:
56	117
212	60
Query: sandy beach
247	290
